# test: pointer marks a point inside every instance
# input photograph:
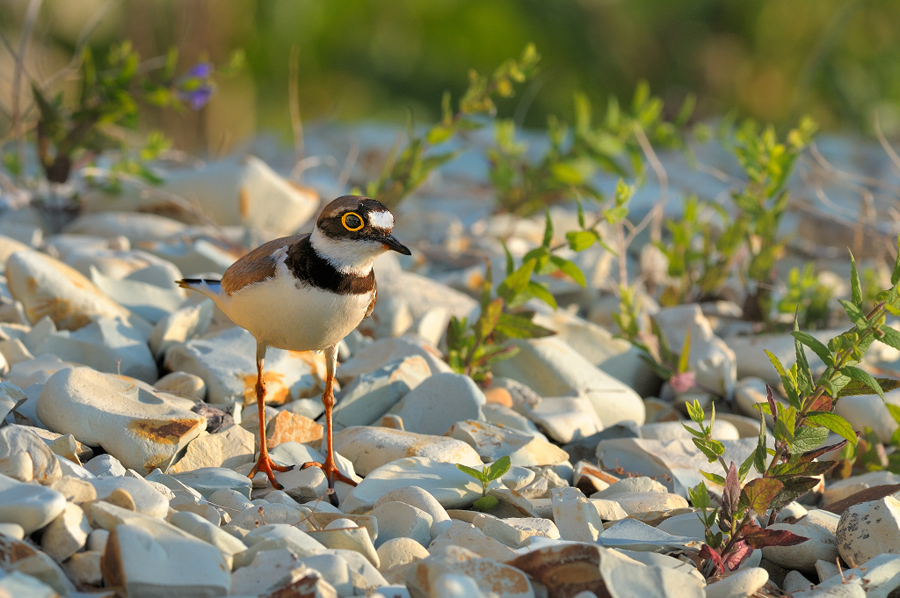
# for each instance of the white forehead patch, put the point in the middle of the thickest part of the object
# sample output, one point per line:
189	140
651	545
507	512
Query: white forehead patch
383	220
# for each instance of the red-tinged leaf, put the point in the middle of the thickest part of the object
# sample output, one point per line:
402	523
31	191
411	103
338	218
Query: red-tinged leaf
802	468
708	553
793	488
731	495
739	552
813	454
771	400
758	493
761	538
823	403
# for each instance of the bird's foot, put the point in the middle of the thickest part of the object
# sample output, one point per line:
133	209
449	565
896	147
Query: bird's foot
269	467
331	474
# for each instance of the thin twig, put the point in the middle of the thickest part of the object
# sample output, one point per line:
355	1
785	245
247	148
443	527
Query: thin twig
294	107
661	176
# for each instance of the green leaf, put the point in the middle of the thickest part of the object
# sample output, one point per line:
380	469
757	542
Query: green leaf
793	488
855	314
695	411
808	438
815	344
745	467
760	454
540	291
514	284
579	240
805	468
472	472
439	134
758	494
712	477
486	503
895	275
713	449
856	388
833	422
684	357
864	377
894	410
699	496
790	385
518	326
488	319
855	287
499	467
548	228
570	269
890	337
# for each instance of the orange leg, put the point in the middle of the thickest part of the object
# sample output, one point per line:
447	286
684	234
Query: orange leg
264	463
331	471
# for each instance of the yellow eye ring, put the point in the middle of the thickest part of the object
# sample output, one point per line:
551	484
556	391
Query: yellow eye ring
352	228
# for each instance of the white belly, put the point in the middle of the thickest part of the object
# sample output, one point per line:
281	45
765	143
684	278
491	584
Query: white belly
297	319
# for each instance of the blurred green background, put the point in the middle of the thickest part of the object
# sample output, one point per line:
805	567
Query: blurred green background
384	59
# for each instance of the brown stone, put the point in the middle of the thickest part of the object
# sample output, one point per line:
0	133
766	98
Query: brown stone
498	395
869	494
566	570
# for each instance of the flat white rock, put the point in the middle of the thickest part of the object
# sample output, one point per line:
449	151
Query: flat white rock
493	442
229	448
370	447
371	394
29	505
438	402
142	428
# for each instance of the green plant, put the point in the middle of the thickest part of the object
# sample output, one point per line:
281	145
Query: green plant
806	296
790	469
575	154
488	474
473	347
107	103
403	173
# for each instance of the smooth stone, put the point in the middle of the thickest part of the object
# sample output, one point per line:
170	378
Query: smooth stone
840	489
638	503
48	287
820	527
142	428
379	354
870	412
676	461
568	570
148	500
13	530
226	448
288	426
491	577
183	324
711	359
466	535
354	538
869	529
507	417
137	553
104	466
321	519
17	441
138	227
9	246
514	531
826	569
185	498
10	394
371	447
684	524
226	361
371	394
609	510
438	402
795	581
400	551
843	591
294	453
84	568
277	536
567	419
208	480
742	584
67	534
633	484
391	317
29	505
20	557
304	484
182	384
269	514
553	368
421	293
670	430
575	516
878	577
447	484
400	520
422	500
150	292
493	442
631	534
37	370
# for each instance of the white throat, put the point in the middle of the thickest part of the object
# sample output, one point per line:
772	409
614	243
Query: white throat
350	256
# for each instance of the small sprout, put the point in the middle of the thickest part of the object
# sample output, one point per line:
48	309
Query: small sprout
488	474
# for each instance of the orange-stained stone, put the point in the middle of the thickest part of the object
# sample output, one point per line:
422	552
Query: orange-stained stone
499	396
277	392
163	431
288	426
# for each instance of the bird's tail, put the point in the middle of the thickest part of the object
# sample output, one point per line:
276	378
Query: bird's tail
210	288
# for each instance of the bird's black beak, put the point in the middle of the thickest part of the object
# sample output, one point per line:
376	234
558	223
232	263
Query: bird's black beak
390	242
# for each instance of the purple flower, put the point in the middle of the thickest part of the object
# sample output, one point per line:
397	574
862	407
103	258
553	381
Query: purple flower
195	86
683	382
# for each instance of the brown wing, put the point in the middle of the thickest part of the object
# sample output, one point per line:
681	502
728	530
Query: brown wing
256	266
371	307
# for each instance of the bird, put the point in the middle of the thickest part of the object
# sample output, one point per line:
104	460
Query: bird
306	293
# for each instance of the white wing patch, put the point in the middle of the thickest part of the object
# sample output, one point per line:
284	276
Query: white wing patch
383	220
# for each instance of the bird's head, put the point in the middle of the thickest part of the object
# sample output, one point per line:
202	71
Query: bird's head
352	231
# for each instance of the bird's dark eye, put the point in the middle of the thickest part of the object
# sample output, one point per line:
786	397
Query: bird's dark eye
352	221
